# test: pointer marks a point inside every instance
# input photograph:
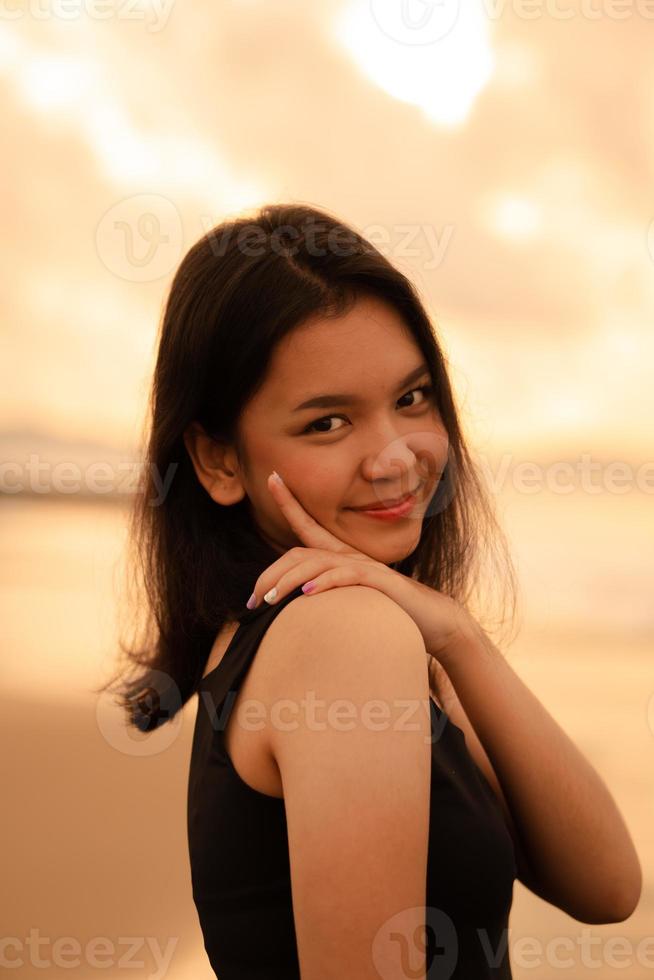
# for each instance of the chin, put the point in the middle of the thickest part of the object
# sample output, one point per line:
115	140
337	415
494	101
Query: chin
387	554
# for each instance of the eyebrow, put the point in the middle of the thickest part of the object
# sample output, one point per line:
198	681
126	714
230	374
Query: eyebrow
332	401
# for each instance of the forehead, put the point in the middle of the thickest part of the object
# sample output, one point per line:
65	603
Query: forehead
367	348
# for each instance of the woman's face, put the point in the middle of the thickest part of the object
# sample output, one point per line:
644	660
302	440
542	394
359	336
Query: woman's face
379	441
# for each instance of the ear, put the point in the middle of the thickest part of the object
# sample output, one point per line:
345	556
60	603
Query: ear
215	465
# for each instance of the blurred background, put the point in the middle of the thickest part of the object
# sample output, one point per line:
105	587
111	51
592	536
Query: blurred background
500	153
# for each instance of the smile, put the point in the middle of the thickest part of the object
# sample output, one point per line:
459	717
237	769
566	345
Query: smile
381	512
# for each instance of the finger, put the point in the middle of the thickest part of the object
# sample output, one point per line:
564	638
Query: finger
308	530
318	578
271	575
334	578
271	590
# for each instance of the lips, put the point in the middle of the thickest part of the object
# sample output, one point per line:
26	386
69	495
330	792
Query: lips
387	504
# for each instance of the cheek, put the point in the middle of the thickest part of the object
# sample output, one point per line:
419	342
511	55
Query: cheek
317	488
263	454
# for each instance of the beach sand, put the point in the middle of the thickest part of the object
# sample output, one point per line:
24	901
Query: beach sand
95	819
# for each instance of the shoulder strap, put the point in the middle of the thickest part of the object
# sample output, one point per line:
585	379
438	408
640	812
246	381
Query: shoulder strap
217	691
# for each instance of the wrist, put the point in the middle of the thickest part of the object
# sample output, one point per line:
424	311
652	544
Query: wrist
464	640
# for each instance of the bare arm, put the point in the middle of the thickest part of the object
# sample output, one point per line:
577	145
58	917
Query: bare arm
578	853
356	782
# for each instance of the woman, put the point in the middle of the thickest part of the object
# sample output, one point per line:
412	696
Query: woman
386	842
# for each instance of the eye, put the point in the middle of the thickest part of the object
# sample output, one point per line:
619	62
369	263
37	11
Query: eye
425	390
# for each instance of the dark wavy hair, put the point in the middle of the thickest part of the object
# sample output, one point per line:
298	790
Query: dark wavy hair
238	291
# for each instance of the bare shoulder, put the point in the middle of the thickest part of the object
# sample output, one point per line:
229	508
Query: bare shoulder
347	607
352	643
350	624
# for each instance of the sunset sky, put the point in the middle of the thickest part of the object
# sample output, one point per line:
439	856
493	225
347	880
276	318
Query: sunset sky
518	151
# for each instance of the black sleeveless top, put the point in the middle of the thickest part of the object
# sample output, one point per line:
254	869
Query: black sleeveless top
238	847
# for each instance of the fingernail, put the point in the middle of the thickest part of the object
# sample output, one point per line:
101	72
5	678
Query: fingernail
252	601
276	477
308	587
270	596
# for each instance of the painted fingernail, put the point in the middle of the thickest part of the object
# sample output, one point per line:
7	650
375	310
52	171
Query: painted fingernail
270	596
276	477
252	601
308	587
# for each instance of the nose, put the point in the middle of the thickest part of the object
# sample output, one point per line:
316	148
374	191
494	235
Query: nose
394	471
403	461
